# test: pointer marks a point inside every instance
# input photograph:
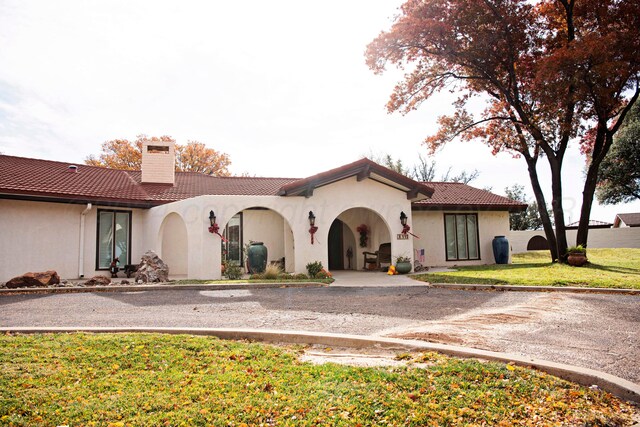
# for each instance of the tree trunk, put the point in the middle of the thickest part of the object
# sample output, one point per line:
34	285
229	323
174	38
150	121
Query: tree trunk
556	205
542	207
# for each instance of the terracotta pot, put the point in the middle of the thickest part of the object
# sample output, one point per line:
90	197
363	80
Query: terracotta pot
577	259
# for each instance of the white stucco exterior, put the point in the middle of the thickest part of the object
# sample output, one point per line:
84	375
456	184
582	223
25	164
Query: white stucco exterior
38	236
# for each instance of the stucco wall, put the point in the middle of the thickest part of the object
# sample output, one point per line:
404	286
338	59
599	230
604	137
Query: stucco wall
265	226
598	238
327	203
38	236
429	227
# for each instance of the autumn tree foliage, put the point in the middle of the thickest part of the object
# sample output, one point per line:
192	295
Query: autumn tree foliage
547	70
192	157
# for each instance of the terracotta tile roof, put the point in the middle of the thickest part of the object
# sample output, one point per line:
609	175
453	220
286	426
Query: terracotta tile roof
456	195
593	223
630	219
36	179
45	179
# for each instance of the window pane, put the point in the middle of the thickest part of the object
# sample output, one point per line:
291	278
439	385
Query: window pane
232	233
122	237
105	239
450	235
472	234
461	231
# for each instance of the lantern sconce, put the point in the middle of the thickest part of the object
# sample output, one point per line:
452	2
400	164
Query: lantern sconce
212	218
403	219
312	225
405	226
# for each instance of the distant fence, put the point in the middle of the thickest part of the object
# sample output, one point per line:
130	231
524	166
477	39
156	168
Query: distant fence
627	237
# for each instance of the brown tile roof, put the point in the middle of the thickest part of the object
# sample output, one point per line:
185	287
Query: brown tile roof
362	169
45	179
630	219
456	195
36	179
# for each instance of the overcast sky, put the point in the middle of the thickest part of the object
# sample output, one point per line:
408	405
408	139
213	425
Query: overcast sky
281	86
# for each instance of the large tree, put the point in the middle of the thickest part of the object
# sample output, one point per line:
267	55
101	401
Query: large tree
525	220
192	157
547	70
619	178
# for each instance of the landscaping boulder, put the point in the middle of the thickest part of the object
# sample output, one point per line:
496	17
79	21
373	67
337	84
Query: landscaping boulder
34	280
98	281
152	269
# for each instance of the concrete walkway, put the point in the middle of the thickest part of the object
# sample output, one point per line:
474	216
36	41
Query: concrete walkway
351	278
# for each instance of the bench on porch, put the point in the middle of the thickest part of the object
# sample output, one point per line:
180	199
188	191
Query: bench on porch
374	260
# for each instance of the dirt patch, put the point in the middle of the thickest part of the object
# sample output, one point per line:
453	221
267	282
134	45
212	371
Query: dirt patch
431	337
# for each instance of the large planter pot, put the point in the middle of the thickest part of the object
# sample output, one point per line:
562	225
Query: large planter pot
500	249
577	259
257	257
403	267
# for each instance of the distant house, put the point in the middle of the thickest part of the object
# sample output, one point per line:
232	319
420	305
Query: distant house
76	218
627	220
593	224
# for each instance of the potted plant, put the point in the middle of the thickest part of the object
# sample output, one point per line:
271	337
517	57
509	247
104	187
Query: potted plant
403	264
577	256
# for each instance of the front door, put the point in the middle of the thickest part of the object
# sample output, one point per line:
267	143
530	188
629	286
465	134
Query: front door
336	252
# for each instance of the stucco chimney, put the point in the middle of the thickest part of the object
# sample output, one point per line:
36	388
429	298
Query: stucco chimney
158	162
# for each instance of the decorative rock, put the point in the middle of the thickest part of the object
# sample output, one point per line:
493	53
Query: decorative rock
34	280
98	281
124	282
152	269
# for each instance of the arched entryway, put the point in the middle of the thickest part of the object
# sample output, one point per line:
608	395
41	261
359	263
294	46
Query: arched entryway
345	249
174	245
259	224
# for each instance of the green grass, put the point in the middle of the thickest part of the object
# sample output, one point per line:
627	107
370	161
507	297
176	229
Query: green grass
164	380
607	268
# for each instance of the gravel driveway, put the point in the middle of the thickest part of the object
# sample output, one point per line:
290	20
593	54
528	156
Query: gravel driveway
594	331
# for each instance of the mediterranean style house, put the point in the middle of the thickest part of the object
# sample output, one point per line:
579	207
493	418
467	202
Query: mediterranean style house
76	219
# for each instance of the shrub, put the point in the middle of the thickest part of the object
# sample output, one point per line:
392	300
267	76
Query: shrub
232	270
272	272
285	276
257	276
577	250
301	276
322	274
314	268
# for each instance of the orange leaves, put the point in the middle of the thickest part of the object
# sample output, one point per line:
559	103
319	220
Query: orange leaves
192	157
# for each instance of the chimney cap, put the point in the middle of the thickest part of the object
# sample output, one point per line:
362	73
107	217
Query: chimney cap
73	168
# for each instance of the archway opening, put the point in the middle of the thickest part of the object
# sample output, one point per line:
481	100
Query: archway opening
537	243
347	249
174	247
259	224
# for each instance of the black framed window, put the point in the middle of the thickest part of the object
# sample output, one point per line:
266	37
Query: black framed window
232	248
461	236
113	238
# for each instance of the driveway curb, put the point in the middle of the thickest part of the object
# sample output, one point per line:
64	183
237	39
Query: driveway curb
142	288
587	377
513	288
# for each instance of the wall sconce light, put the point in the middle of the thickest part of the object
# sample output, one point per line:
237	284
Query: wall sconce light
312	225
212	218
403	218
405	226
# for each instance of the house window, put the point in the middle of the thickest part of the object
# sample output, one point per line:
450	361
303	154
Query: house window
461	234
232	249
114	238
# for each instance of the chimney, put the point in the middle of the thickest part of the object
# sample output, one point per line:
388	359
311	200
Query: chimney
158	162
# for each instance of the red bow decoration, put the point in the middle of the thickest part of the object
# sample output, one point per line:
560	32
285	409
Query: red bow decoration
312	231
215	229
405	230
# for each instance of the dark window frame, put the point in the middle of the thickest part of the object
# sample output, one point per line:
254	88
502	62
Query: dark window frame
113	248
455	236
225	246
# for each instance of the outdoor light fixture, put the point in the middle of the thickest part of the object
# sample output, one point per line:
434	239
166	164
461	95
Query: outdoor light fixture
403	218
405	226
312	225
212	218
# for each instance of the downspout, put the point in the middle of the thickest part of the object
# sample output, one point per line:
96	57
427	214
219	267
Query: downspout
81	257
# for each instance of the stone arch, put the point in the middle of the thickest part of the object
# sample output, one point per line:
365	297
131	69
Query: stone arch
379	233
537	243
174	244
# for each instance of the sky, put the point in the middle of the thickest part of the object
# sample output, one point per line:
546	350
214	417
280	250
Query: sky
280	86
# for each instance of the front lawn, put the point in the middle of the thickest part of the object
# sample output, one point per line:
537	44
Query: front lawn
607	268
158	380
